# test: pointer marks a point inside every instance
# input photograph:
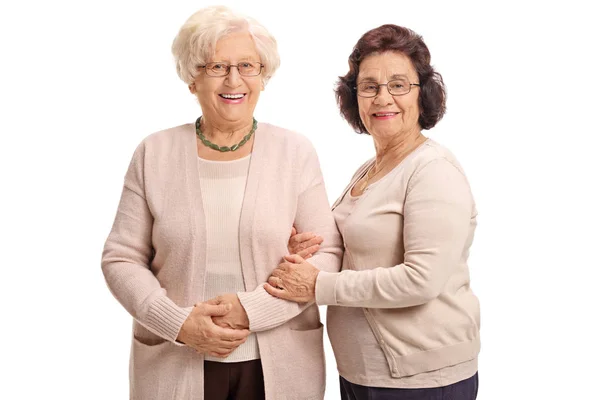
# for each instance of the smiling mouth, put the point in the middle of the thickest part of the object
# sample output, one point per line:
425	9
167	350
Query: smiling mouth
385	114
232	96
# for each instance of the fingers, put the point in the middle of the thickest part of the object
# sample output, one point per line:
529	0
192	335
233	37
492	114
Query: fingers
215	302
294	258
221	352
277	273
271	282
226	345
282	294
228	334
219	347
221	322
308	243
274	281
303	237
226	340
235	342
214	310
307	253
212	354
298	239
220	355
294	232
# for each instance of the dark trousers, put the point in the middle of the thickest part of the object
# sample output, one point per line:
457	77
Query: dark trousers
463	390
233	381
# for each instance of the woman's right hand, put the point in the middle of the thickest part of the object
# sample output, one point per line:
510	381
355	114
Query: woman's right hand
304	244
200	332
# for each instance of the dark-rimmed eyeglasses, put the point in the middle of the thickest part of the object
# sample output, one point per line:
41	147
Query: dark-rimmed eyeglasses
246	68
396	87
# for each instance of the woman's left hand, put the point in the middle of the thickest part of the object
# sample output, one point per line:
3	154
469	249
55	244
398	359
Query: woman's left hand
236	318
304	244
294	279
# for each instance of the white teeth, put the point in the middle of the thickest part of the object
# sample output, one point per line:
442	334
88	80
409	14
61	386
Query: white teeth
384	114
232	96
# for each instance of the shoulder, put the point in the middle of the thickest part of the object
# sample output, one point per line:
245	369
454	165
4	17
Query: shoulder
281	142
435	170
170	137
283	138
164	143
433	155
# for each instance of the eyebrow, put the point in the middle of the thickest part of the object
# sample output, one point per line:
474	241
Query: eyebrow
241	59
372	79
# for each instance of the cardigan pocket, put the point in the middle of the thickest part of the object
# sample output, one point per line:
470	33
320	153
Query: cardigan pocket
150	341
303	359
308	330
157	371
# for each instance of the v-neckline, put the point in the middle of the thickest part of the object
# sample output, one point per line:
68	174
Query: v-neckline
257	165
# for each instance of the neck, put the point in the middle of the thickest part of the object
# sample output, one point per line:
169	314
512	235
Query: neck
225	132
397	146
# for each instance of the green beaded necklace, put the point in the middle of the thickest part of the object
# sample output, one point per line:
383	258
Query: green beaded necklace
224	149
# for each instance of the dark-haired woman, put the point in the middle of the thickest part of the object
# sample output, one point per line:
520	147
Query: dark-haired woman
402	319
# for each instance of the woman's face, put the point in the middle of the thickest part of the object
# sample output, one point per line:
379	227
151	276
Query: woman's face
384	115
243	91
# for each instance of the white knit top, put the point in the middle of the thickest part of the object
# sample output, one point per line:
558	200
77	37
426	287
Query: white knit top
223	184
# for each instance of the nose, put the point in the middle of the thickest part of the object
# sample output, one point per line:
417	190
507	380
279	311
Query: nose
383	96
233	79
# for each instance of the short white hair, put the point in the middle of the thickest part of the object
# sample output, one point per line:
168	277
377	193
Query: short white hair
196	41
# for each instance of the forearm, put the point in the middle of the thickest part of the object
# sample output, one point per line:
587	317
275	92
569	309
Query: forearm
267	312
313	214
139	292
436	232
395	287
125	264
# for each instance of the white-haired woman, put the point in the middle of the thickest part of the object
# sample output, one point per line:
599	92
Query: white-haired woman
205	216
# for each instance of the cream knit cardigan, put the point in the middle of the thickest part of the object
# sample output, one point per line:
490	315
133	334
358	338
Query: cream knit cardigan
154	261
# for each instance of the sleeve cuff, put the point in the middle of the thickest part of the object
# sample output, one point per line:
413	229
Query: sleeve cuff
265	311
165	318
188	310
325	288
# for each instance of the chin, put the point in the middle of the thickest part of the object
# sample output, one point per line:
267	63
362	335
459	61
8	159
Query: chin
387	132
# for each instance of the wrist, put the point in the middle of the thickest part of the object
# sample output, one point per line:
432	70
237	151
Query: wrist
182	336
314	278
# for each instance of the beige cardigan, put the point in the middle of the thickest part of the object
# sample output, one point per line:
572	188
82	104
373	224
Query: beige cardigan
154	261
406	263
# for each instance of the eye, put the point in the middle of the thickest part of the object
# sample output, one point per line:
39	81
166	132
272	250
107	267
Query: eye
368	87
245	65
218	66
396	85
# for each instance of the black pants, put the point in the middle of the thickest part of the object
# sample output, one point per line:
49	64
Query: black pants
233	381
463	390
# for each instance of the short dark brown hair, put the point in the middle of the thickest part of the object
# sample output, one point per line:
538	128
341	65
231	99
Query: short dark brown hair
432	96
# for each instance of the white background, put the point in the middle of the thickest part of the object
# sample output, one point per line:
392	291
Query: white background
82	83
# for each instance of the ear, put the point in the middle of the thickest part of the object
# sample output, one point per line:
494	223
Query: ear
192	88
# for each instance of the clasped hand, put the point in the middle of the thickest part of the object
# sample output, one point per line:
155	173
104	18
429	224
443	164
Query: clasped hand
216	327
294	280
